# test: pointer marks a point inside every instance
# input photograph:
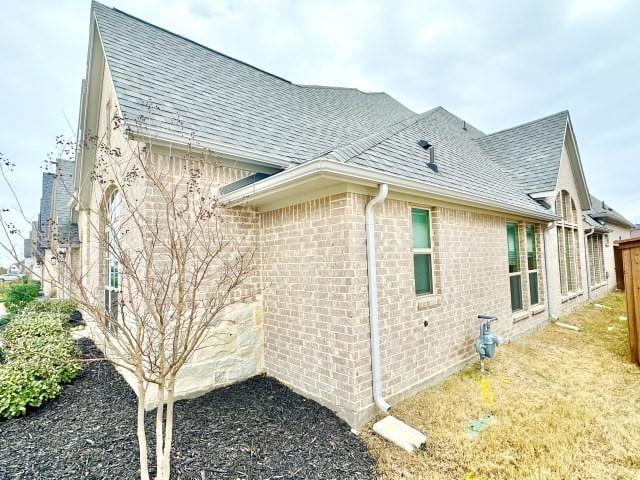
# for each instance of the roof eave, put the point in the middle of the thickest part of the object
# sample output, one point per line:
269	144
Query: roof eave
156	136
347	172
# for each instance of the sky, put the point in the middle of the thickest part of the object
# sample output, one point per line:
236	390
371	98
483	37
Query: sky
494	63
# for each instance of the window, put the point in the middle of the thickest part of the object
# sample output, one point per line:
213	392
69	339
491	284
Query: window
112	267
515	275
568	243
597	272
532	264
422	254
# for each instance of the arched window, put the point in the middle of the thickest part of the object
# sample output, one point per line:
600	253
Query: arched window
568	243
112	267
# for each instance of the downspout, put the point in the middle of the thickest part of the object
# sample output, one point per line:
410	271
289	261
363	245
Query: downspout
373	298
586	257
546	267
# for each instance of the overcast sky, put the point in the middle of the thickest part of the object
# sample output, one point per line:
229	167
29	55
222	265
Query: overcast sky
494	63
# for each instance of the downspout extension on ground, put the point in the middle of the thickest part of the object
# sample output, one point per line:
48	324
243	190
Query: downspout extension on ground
373	298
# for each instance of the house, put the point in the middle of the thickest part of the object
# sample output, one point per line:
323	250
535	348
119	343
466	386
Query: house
54	242
604	228
382	233
636	231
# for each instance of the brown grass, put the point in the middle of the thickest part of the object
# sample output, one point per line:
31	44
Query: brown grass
567	405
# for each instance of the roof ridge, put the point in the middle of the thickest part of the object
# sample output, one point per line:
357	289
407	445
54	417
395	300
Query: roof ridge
138	19
525	124
346	152
329	87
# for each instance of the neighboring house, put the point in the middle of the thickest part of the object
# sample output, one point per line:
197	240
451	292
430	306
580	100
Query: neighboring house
467	223
54	237
636	230
609	226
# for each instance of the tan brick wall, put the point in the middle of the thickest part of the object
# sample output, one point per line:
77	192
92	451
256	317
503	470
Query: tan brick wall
316	297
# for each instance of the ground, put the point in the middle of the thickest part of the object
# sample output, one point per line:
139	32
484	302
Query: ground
566	404
256	429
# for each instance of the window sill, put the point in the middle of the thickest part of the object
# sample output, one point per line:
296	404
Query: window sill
536	309
520	315
598	285
425	302
571	296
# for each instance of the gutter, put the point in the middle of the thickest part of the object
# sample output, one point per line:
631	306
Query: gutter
373	298
359	174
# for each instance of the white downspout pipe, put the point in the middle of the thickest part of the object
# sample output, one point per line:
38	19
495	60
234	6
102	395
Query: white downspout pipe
373	299
586	257
546	267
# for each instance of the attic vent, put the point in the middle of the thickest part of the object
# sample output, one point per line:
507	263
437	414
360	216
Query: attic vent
424	144
432	154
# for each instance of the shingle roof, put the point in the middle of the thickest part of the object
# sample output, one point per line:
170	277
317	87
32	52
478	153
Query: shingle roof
67	231
57	192
44	216
227	102
590	223
600	210
530	152
462	165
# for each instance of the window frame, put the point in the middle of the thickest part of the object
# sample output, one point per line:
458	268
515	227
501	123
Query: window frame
535	270
423	251
111	288
568	238
517	273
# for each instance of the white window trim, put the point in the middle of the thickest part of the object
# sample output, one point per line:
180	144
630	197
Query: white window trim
519	272
563	225
535	270
423	251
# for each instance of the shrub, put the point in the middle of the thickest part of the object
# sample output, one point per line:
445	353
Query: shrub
40	355
18	295
6	318
62	307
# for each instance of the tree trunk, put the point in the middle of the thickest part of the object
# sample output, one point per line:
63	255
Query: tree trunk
168	429
142	436
160	431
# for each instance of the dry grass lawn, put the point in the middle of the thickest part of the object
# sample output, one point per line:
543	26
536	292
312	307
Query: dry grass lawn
567	406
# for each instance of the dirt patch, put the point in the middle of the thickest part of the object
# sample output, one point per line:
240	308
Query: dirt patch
257	429
566	403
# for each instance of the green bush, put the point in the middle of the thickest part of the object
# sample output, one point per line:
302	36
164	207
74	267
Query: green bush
6	318
63	307
19	294
40	355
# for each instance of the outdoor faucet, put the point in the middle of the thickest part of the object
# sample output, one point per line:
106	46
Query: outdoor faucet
487	341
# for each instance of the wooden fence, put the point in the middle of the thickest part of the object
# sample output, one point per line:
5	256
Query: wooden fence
631	265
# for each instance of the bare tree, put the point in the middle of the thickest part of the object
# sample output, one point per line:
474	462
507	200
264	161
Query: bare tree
171	258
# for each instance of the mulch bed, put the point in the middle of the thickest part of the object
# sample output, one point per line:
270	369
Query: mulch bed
258	429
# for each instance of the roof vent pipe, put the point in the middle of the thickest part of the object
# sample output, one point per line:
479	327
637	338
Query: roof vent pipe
373	299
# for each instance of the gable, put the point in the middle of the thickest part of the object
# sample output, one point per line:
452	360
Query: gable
529	152
576	178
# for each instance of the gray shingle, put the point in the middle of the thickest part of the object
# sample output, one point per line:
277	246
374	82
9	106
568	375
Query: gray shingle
530	152
462	165
601	210
44	217
225	101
